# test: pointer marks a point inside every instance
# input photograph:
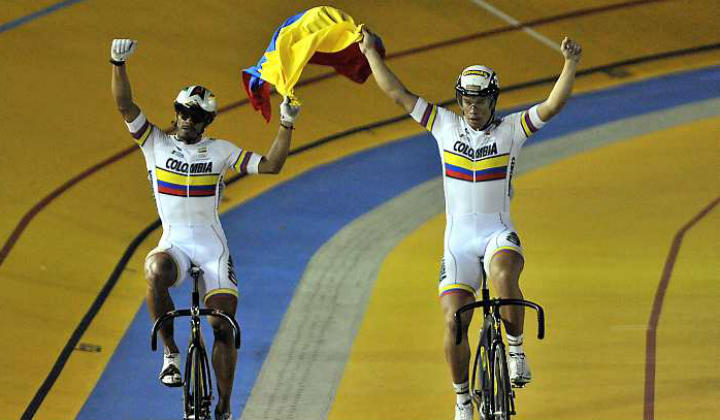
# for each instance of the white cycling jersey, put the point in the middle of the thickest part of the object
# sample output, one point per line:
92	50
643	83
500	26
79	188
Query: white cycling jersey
187	182
187	179
478	166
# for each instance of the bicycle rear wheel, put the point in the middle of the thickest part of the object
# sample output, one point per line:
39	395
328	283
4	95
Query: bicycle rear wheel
501	384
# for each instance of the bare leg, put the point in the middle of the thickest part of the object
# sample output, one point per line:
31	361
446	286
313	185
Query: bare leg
161	273
457	356
224	354
505	269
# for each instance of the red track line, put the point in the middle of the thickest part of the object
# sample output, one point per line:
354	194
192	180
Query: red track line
650	340
54	194
30	215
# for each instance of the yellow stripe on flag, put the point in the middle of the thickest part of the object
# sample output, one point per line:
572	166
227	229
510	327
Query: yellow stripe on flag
322	29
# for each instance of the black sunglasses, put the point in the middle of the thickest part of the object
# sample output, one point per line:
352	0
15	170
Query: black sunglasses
194	113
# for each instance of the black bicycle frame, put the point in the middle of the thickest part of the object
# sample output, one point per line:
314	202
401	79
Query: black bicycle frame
196	344
492	337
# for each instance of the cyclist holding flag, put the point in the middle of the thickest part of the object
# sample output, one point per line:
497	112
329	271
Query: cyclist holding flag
187	171
478	151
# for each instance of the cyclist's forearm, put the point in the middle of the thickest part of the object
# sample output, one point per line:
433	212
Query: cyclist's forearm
560	93
389	82
277	155
122	93
384	77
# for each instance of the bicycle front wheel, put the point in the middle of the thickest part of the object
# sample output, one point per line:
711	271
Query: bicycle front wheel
501	384
197	385
481	384
189	384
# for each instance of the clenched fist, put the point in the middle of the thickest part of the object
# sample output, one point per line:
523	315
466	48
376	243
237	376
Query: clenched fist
121	49
571	50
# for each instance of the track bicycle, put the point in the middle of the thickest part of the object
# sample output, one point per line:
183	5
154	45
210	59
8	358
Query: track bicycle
490	387
197	382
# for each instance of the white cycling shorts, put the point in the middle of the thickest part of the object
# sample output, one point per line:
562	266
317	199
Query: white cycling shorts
471	242
205	247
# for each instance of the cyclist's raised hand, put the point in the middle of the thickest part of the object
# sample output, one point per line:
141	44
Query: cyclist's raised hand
571	50
288	112
121	49
368	41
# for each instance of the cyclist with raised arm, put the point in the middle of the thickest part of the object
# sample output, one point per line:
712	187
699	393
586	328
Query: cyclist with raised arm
478	151
187	171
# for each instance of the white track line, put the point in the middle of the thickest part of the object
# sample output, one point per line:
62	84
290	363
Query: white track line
514	22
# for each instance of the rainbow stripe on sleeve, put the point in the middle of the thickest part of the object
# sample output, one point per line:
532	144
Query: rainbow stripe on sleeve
142	134
184	185
428	118
241	162
465	169
527	124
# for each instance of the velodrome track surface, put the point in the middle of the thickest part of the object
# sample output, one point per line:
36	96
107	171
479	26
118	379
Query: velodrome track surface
598	226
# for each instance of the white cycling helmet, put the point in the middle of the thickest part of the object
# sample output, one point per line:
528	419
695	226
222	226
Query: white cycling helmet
483	80
197	100
478	80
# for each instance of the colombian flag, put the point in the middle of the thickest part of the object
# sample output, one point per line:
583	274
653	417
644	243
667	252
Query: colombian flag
322	35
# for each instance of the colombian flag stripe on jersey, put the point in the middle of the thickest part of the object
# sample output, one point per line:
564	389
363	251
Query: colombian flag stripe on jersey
491	174
453	173
467	163
184	185
172	190
183	179
488	169
458	169
492	162
184	191
459	161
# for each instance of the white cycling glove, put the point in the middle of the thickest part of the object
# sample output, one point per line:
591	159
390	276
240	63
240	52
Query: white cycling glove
121	49
288	112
